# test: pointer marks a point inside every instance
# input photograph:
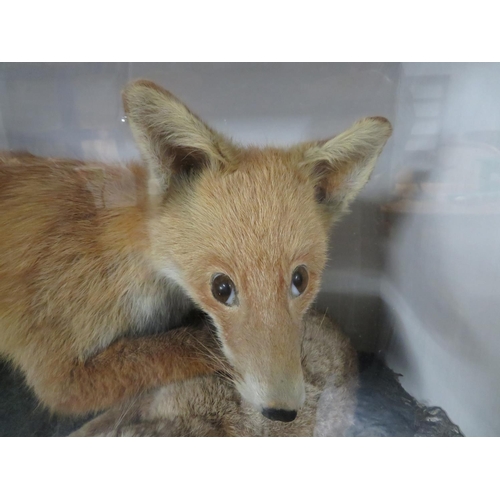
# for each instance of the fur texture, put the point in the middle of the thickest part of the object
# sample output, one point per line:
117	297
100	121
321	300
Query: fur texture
210	405
94	256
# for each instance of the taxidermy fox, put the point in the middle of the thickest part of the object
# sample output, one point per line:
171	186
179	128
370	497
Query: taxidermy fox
98	261
210	406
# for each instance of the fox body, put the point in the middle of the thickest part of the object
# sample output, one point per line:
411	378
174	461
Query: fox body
100	264
210	405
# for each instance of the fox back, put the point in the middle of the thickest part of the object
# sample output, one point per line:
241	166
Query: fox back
92	252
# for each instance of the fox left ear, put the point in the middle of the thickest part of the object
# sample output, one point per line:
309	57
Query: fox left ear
172	140
341	166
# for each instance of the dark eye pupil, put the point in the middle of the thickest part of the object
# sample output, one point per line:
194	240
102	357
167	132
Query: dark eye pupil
223	290
222	287
298	279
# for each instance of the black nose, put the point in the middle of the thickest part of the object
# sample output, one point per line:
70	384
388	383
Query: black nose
282	415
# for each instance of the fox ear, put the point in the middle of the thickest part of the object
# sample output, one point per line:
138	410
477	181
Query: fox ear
171	139
341	166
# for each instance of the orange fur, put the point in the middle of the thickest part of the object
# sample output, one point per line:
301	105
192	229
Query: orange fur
91	254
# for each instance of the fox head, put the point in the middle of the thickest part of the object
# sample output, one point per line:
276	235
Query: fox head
244	231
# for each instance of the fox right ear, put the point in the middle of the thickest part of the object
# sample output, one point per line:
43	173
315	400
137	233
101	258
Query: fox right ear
171	139
341	166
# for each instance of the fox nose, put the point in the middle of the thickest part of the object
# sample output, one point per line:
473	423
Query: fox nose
281	415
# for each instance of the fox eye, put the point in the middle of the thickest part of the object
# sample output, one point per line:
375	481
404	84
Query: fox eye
300	278
223	289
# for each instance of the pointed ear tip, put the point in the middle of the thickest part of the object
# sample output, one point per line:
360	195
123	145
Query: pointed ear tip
143	83
381	122
137	86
